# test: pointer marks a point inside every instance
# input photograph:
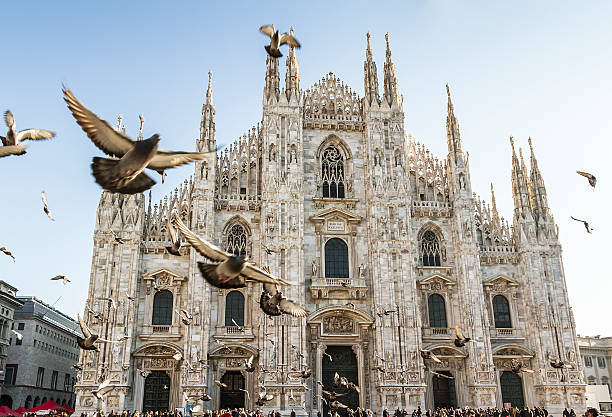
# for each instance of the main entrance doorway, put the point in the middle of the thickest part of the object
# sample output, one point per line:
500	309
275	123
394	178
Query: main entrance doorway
156	392
232	397
512	389
444	390
344	361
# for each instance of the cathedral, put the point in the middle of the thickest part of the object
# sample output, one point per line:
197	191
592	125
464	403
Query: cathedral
387	246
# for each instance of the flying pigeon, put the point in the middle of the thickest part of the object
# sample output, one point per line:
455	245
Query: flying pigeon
186	318
263	398
427	354
177	356
273	303
113	303
11	143
129	297
276	40
18	335
247	393
89	339
7	252
205	397
559	364
240	328
337	404
46	206
249	366
61	278
305	373
439	375
103	389
143	373
76	367
590	177
588	228
460	340
220	384
227	271
175	249
331	396
267	249
328	355
123	172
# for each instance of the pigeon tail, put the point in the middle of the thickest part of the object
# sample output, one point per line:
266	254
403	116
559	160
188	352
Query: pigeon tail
105	172
209	272
173	251
276	53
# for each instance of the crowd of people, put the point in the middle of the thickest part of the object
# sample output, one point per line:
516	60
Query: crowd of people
359	412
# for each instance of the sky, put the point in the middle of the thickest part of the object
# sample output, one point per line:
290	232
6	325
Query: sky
522	68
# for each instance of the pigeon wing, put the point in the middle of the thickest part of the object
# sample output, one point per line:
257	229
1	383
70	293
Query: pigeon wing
578	220
12	150
257	274
171	231
292	309
34	134
9	119
4	141
267	30
86	331
270	289
206	249
434	358
171	159
459	333
98	130
287	38
585	174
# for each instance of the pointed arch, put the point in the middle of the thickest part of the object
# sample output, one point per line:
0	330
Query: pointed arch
334	168
432	250
237	236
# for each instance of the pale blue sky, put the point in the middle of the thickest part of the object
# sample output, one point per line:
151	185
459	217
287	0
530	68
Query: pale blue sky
539	69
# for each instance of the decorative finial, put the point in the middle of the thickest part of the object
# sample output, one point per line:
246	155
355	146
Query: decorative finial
209	78
368	37
530	145
512	143
119	119
291	31
447	91
387	39
141	118
209	90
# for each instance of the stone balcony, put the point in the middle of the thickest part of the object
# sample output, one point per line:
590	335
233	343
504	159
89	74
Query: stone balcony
226	333
160	332
237	201
499	254
431	209
437	334
506	335
338	288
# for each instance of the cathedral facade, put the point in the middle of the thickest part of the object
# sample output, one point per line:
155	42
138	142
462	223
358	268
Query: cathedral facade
388	247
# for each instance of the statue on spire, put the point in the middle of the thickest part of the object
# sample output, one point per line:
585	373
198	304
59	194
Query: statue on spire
141	118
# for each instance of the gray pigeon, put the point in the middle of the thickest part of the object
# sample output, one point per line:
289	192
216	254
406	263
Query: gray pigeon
11	143
175	239
276	40
273	303
227	271
123	172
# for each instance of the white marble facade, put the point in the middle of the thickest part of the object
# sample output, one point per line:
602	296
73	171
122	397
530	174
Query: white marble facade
412	227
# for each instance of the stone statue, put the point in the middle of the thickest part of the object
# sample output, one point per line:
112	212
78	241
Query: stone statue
361	270
314	267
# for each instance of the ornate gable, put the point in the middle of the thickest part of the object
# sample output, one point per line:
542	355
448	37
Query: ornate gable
436	282
162	279
336	220
500	281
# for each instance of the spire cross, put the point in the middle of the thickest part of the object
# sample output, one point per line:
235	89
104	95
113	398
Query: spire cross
141	117
119	119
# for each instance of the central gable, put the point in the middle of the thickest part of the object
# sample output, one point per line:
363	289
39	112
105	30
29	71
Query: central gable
331	104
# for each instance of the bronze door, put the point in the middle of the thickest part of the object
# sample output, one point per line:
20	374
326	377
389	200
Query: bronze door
344	361
156	392
232	397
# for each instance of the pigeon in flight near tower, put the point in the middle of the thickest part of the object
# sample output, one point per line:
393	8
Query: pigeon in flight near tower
588	228
227	271
590	177
276	40
7	252
273	303
124	171
11	144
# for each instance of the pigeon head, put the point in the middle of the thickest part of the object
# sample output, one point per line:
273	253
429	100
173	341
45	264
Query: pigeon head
155	139
236	262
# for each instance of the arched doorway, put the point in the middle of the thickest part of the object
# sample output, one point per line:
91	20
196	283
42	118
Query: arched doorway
512	389
156	392
6	400
232	397
343	361
444	390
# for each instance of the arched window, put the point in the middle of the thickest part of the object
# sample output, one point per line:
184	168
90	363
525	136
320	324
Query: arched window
36	401
332	173
234	308
237	240
501	312
430	249
162	308
336	259
437	311
28	402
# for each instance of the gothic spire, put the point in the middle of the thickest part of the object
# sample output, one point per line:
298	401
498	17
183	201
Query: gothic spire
390	82
453	135
207	140
272	79
496	222
370	76
292	77
520	192
540	202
